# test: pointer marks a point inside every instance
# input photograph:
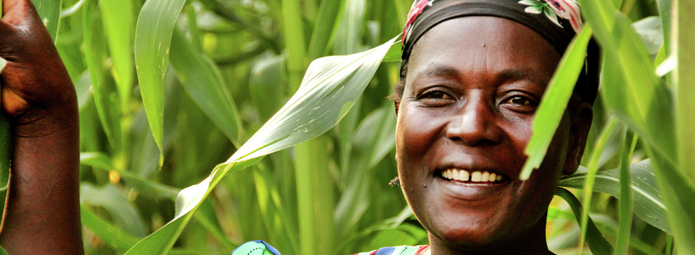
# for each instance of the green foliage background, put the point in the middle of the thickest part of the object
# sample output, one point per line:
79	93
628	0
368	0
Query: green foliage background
170	89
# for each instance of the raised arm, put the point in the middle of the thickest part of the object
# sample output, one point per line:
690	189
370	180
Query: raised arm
42	214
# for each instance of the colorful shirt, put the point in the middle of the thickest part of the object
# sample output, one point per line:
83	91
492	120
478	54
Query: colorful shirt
400	250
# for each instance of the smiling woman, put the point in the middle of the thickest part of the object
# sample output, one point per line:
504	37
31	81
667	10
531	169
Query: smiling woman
473	74
467	110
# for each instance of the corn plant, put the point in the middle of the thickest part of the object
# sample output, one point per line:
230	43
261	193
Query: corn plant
169	89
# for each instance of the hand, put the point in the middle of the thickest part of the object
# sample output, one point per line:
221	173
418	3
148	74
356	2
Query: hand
42	213
35	83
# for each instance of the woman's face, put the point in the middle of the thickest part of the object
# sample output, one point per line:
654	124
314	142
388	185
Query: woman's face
472	87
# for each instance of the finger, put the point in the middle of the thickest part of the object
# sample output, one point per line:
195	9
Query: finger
16	12
9	4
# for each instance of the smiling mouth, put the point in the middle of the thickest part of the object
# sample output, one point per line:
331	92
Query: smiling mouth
475	177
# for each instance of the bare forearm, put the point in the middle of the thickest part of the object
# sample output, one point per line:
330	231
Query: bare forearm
42	215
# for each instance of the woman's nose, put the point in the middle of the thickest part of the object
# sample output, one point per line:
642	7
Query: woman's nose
474	124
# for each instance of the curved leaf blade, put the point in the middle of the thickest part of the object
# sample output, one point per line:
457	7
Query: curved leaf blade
554	102
648	201
328	90
203	81
117	19
597	243
153	34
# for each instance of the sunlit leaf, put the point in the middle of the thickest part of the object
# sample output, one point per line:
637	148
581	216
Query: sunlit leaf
597	243
118	24
153	33
648	201
324	29
102	86
590	179
651	32
638	97
626	205
203	81
554	102
329	87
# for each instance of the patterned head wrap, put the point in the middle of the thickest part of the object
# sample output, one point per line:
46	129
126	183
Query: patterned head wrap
558	21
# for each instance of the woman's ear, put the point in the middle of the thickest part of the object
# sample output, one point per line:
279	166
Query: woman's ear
580	119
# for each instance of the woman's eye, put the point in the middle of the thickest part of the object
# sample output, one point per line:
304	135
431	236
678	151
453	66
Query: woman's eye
521	100
436	98
521	104
436	95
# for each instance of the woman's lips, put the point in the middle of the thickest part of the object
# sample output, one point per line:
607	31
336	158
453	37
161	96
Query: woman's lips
471	185
462	175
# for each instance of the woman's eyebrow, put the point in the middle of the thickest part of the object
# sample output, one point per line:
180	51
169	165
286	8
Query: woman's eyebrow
511	75
439	71
514	74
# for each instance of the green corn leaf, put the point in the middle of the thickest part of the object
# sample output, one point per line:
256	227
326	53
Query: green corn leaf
626	206
631	88
554	101
638	97
103	88
204	83
153	34
112	199
648	201
107	233
145	187
665	16
206	217
330	87
325	27
597	243
683	46
118	24
294	40
266	86
591	175
282	235
49	11
96	159
326	94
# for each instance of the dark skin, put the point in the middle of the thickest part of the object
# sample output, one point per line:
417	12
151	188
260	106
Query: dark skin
42	214
471	90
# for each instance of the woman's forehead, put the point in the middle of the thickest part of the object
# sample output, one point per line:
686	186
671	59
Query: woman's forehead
483	44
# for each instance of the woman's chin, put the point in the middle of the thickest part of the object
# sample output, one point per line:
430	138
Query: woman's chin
470	237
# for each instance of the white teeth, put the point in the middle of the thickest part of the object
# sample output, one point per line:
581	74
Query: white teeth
477	176
463	175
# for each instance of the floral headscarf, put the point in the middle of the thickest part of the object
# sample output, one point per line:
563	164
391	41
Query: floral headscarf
558	21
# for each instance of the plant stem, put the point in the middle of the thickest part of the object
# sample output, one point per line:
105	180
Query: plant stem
314	197
591	176
625	209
